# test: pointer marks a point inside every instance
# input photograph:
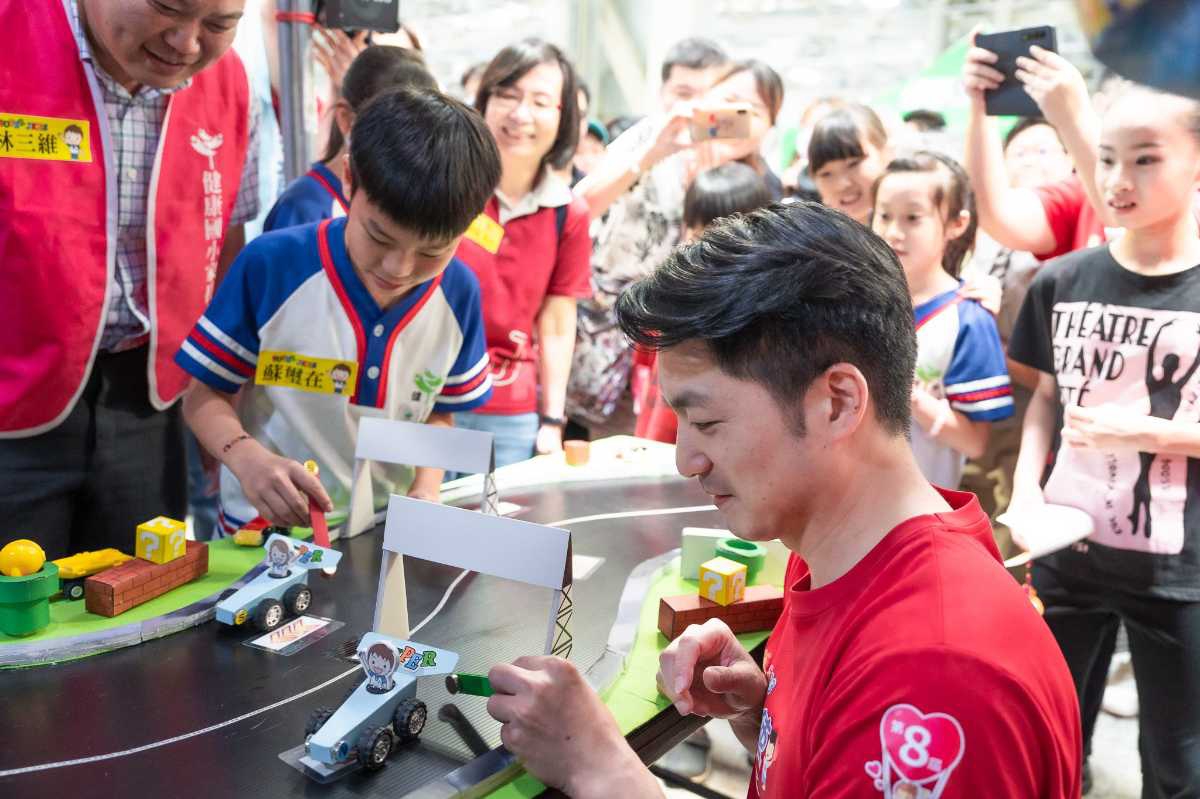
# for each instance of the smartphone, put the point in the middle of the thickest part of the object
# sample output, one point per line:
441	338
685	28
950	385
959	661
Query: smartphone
725	122
1010	98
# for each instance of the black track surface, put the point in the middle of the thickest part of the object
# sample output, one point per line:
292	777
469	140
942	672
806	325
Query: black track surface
205	676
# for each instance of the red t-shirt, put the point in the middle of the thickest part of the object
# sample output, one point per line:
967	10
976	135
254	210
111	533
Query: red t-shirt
530	263
923	667
1071	217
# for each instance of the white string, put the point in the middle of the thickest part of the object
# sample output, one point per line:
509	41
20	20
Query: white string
258	712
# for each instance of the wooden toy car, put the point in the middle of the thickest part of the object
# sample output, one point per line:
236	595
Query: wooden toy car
73	571
381	713
282	588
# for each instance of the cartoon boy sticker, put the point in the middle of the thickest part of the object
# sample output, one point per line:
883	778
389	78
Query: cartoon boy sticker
278	556
340	375
380	664
73	137
767	738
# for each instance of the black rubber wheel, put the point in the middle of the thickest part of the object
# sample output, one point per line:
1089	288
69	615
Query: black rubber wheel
374	746
268	615
409	720
297	599
73	589
316	720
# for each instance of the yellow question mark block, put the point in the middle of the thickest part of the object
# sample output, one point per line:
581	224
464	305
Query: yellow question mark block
161	540
722	580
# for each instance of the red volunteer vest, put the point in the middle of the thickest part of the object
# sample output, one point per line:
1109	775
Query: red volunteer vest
58	235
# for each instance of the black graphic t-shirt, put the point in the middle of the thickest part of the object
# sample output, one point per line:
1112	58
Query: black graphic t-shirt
1113	337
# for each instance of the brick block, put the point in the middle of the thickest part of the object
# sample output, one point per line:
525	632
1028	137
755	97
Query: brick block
758	610
722	580
120	588
161	540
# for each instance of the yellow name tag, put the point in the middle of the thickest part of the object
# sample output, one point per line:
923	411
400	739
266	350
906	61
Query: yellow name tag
486	232
45	138
304	372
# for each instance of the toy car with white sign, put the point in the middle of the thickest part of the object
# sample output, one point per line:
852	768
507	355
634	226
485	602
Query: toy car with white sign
282	588
382	713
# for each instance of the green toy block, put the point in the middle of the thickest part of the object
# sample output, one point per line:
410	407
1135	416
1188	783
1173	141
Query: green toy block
748	552
25	601
473	684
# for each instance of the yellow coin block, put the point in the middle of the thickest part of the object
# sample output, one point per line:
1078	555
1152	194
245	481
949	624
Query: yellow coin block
161	540
723	580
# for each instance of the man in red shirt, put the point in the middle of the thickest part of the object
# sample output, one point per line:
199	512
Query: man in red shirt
907	663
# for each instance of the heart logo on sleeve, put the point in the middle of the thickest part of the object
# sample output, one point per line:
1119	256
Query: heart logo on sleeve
921	747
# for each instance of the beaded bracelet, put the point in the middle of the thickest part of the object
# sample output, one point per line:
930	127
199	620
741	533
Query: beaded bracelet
229	446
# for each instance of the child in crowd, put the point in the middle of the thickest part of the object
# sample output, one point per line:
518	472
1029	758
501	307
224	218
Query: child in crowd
924	211
846	155
319	325
319	194
728	189
999	278
1114	333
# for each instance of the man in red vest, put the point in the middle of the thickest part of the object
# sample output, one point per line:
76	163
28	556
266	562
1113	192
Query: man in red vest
126	172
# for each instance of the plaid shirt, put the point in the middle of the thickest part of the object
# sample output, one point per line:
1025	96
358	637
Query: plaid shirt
135	125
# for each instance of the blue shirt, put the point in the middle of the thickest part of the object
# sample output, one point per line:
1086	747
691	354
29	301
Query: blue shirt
312	197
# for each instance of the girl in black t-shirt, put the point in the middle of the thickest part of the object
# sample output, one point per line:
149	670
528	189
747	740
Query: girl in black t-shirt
1114	429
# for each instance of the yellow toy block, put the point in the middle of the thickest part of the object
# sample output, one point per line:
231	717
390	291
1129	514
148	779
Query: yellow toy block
722	580
161	540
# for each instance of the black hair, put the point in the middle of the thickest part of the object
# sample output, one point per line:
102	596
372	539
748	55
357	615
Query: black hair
953	195
377	68
693	53
840	134
1024	124
427	160
510	65
925	119
728	189
778	296
767	83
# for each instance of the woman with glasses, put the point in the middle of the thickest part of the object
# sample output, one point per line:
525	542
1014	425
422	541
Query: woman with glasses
529	248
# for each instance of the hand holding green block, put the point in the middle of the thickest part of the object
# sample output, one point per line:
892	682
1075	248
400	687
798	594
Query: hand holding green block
473	684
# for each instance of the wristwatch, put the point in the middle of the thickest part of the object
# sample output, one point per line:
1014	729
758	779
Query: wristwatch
555	421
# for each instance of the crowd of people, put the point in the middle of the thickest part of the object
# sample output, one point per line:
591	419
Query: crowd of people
1016	316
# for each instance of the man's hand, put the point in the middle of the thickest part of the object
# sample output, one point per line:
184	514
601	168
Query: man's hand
706	671
1107	427
670	136
277	487
558	727
1055	85
549	439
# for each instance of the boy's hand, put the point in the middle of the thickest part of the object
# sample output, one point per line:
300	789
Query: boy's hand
277	487
557	725
706	671
427	484
978	75
1055	85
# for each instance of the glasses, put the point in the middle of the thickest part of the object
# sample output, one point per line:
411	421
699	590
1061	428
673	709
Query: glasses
508	100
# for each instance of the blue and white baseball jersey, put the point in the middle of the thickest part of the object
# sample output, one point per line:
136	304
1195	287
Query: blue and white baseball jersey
312	197
294	329
959	358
